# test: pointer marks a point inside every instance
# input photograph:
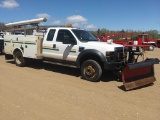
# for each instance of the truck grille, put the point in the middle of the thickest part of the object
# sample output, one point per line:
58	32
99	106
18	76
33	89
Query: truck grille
120	55
158	41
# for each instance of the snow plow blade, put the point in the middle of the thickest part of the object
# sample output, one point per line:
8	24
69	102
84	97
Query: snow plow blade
139	74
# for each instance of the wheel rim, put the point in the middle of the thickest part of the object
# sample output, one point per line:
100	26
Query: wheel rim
18	59
151	47
89	71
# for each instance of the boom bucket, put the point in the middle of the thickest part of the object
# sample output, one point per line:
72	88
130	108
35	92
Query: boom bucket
139	74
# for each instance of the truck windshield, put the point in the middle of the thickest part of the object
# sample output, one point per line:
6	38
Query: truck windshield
84	36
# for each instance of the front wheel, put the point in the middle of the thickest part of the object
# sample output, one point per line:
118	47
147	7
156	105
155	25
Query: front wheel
91	70
19	59
151	47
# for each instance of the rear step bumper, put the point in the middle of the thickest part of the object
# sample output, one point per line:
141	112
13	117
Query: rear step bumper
8	57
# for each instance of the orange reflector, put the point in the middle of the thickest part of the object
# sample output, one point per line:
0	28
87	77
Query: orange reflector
69	25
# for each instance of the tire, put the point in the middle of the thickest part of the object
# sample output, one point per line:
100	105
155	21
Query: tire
19	59
2	51
91	70
151	48
141	49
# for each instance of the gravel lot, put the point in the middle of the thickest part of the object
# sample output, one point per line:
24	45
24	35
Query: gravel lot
51	92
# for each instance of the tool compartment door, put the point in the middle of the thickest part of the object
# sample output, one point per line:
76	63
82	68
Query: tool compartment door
29	46
8	46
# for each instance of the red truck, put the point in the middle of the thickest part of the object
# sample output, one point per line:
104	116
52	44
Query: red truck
142	40
145	39
158	43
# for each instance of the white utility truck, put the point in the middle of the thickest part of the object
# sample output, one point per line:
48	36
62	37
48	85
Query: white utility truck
76	47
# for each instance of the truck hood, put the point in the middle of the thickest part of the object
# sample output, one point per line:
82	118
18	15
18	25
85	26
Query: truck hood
102	46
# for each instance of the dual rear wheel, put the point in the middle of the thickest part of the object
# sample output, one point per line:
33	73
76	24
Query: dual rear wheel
19	59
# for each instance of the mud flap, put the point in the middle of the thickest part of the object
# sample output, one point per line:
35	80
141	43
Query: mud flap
139	74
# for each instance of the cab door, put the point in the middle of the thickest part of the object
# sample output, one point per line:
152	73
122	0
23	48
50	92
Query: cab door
67	44
55	47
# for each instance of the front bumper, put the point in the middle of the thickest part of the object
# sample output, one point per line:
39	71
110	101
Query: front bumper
113	65
116	60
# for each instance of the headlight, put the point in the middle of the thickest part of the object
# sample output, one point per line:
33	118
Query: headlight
109	53
134	48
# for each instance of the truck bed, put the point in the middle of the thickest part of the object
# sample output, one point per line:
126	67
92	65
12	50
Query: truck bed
32	43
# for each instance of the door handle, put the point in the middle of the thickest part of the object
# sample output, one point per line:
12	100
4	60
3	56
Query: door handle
54	45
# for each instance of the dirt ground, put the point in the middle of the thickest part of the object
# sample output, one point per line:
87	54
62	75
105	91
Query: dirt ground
51	92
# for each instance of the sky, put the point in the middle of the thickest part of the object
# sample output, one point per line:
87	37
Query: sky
143	15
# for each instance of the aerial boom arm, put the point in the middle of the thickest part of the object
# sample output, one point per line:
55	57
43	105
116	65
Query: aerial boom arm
26	22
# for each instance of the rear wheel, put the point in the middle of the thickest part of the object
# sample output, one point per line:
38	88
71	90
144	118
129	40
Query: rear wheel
91	70
19	59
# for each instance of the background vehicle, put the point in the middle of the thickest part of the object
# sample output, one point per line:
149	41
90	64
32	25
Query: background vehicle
145	39
142	40
1	42
72	46
158	43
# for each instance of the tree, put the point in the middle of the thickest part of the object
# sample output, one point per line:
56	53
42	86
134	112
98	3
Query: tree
122	31
2	26
153	34
98	32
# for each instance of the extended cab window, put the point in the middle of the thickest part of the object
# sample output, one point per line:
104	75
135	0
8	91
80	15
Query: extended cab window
65	35
50	35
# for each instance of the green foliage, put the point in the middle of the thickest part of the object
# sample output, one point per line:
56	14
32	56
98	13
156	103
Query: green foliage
153	33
